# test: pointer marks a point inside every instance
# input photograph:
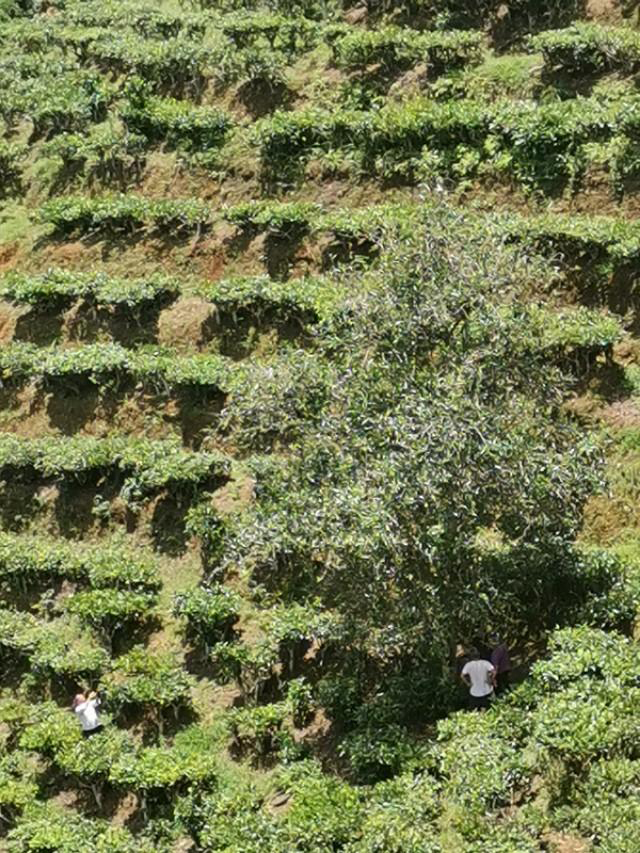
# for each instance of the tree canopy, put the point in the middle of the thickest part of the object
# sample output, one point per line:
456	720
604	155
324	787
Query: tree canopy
439	487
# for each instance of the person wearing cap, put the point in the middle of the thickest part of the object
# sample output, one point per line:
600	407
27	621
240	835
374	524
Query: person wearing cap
480	677
501	663
84	708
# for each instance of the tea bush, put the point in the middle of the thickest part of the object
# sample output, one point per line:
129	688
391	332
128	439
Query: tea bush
175	123
27	560
156	683
147	465
209	614
54	649
586	47
105	154
111	612
45	826
397	47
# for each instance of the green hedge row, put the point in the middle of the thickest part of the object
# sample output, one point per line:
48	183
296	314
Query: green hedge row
290	34
55	101
532	143
54	649
175	63
586	47
147	20
308	299
146	465
112	364
176	123
123	213
58	289
576	236
398	46
68	214
25	559
104	153
576	336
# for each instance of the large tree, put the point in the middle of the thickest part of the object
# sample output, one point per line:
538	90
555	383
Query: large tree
437	486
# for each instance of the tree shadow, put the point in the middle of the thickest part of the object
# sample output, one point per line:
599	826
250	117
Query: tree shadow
77	499
198	660
19	502
238	333
139	633
608	381
9	393
345	250
66	176
72	405
239	242
568	85
13	668
623	293
122	324
261	97
168	523
198	412
509	26
172	720
41	327
279	253
28	597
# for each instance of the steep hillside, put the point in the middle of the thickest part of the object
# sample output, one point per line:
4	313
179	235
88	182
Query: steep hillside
319	360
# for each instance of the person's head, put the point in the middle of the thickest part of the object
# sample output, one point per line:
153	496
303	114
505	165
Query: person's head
494	639
78	699
474	654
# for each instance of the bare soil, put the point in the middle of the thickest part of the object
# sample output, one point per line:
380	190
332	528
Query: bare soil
182	325
561	843
604	10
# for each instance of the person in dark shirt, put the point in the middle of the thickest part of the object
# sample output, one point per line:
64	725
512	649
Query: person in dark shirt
484	651
501	663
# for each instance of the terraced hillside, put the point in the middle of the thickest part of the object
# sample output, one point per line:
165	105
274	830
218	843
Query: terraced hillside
319	325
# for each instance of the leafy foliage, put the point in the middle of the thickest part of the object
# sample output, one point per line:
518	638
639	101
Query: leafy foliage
54	649
208	613
25	560
104	154
48	827
396	46
68	101
146	465
59	288
587	47
156	682
384	525
111	611
111	365
123	213
536	145
176	123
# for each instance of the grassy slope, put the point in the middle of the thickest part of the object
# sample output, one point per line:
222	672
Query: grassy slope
332	180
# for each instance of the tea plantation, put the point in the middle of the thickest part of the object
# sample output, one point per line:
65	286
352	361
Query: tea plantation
319	361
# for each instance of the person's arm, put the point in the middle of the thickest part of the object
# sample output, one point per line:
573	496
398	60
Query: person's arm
464	675
493	677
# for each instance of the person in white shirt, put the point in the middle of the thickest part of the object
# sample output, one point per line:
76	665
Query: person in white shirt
480	677
84	708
